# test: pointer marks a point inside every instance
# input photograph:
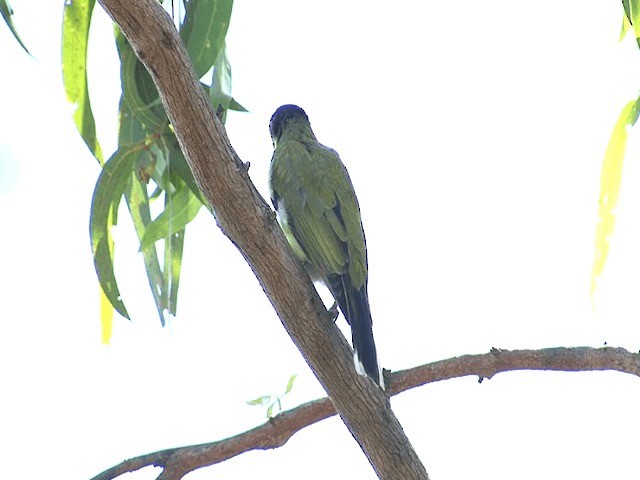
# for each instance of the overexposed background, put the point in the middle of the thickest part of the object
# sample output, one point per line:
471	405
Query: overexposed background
474	134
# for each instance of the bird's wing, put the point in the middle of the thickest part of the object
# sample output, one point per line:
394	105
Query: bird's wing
313	193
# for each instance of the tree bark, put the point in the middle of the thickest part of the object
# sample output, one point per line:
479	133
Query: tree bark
244	217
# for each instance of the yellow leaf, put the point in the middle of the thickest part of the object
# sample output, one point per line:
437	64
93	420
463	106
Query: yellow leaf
625	27
106	318
610	180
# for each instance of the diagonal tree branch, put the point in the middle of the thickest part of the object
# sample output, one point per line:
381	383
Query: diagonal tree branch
279	429
244	217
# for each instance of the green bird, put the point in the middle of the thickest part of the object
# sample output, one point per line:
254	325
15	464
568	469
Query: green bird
319	214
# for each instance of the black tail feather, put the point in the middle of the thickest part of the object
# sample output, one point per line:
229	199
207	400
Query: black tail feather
354	304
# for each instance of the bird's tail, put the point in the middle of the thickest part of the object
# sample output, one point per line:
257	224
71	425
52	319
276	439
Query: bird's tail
354	304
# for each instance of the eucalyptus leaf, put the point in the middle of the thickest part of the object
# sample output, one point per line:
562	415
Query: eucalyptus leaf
260	400
234	105
76	21
7	13
183	209
610	181
172	268
220	92
139	91
131	132
203	32
139	208
108	192
290	383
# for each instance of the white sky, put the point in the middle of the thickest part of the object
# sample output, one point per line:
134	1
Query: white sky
474	134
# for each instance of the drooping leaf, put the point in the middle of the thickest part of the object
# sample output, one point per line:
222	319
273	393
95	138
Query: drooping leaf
106	317
203	32
75	37
610	180
172	268
139	208
158	165
7	13
108	192
183	209
133	132
625	27
174	240
154	163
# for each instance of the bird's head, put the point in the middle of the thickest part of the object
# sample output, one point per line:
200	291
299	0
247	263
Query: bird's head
284	115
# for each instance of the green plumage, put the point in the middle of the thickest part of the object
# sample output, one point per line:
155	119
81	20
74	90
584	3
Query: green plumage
319	213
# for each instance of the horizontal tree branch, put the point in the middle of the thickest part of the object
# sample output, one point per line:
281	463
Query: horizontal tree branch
277	431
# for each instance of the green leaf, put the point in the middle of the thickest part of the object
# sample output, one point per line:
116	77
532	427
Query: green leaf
290	383
106	315
7	12
139	208
131	131
270	410
220	91
262	400
625	27
182	209
108	192
75	36
174	238
234	105
156	163
632	11
172	267
139	91
133	134
627	9
610	180
203	32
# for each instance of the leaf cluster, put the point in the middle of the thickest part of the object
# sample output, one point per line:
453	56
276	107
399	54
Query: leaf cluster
148	170
272	401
